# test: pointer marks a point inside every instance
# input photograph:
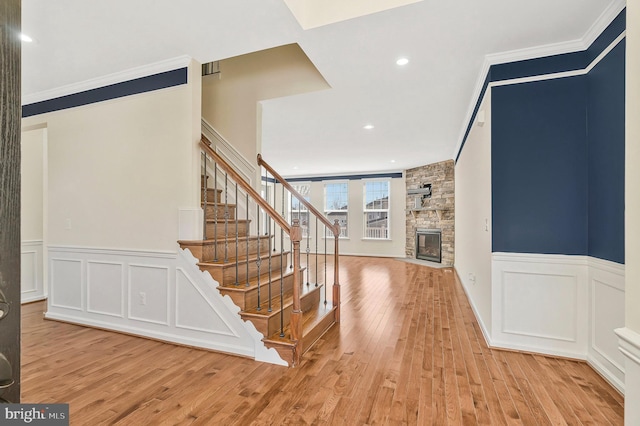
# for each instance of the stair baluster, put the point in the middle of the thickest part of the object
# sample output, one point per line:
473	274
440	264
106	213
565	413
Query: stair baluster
258	239
215	209
308	250
317	281
226	218
266	183
326	281
204	195
235	219
258	260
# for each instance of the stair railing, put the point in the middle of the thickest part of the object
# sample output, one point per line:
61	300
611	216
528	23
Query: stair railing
320	219
234	182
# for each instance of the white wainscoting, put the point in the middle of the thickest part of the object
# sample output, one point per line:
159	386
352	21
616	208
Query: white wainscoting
31	271
606	313
161	295
540	303
560	305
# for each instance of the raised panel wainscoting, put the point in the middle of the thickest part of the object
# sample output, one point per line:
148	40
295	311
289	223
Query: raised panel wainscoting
31	272
560	305
160	295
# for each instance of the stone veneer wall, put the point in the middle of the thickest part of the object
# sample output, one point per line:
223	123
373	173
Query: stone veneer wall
441	177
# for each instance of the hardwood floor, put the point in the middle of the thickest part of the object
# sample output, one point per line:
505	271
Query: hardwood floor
408	351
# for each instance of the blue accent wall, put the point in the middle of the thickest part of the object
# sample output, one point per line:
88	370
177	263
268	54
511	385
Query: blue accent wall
113	91
539	167
606	146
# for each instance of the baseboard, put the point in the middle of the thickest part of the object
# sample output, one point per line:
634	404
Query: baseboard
155	335
629	344
155	294
483	327
605	371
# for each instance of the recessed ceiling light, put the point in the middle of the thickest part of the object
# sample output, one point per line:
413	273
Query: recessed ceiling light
402	61
393	161
295	167
368	127
25	38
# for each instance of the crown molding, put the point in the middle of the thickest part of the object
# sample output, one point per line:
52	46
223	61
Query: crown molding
603	21
109	79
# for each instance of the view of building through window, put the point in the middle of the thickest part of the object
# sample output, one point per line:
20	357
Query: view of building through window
376	209
297	209
336	206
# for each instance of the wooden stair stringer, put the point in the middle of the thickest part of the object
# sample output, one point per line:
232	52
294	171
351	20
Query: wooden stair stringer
315	324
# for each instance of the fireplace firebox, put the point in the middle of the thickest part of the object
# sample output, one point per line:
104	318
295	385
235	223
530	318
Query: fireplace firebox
429	244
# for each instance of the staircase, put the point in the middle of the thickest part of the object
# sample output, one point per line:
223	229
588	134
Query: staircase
262	277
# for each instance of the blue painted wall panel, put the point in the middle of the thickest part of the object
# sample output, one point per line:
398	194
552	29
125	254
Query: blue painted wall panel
613	30
605	139
539	66
539	167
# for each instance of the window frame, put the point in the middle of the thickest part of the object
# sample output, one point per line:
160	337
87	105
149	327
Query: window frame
303	209
343	235
366	211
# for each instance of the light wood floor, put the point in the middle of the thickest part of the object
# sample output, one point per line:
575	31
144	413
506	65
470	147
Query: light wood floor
408	351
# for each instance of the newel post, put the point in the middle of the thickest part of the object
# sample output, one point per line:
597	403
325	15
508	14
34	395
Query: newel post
336	268
296	314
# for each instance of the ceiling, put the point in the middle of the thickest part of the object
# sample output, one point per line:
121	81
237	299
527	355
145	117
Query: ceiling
419	111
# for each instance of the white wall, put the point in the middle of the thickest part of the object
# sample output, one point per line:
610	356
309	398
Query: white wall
32	203
230	101
120	170
473	217
630	334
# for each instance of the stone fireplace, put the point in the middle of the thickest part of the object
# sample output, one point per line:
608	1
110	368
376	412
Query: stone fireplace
430	207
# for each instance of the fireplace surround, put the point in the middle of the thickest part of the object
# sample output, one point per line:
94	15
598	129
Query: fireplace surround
434	212
429	244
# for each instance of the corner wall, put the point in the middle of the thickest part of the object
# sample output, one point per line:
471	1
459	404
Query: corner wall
558	284
473	217
629	335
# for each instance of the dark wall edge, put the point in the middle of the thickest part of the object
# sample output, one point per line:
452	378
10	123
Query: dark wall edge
136	86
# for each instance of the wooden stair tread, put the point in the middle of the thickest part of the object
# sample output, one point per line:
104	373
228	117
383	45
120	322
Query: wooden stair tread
231	261
309	320
230	220
275	304
211	241
218	203
253	282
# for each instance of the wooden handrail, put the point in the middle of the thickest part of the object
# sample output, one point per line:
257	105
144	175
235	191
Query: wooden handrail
333	226
241	182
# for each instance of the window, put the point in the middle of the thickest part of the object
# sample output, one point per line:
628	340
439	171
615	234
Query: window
336	206
376	210
297	210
